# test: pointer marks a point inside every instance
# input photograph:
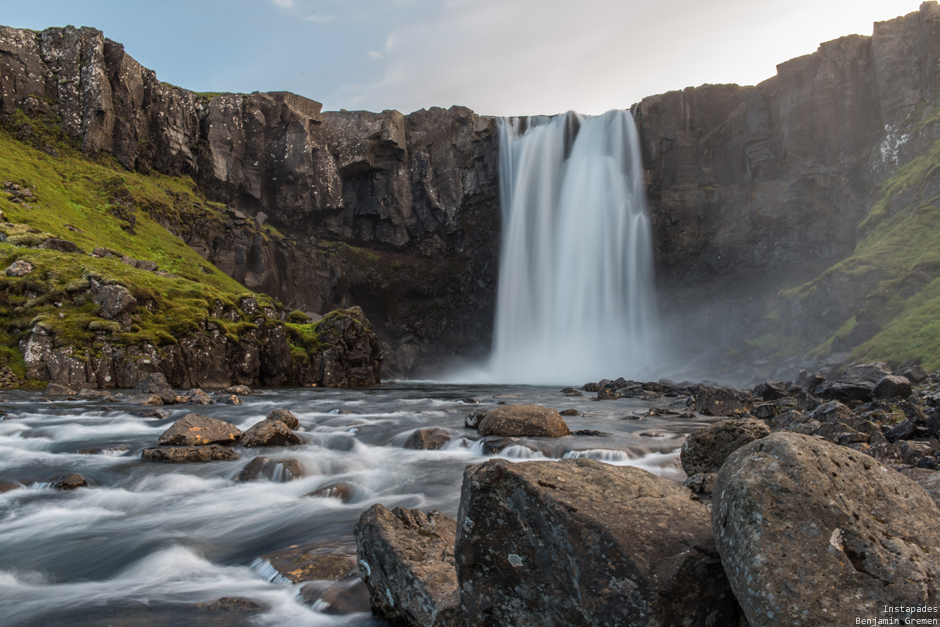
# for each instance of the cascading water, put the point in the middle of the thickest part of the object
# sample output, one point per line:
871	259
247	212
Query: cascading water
576	299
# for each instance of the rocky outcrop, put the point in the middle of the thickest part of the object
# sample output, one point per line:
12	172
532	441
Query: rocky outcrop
578	542
872	534
523	421
406	558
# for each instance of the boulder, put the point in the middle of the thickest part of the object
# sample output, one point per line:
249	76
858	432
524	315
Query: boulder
148	400
240	390
341	491
61	245
702	483
156	383
427	439
113	300
569	412
277	470
198	397
578	542
771	391
55	389
342	597
310	562
284	416
269	433
871	532
606	394
9	486
914	374
856	384
19	268
523	421
716	401
189	454
707	449
406	558
492	445
892	387
199	430
67	481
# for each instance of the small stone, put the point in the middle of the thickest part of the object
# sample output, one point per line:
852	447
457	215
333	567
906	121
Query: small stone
569	412
341	491
19	268
70	481
427	439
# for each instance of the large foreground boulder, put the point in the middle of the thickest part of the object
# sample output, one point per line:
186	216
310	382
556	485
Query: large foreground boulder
812	533
199	430
523	421
406	558
705	450
578	542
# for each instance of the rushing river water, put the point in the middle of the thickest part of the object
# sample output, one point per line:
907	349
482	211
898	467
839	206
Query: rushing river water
147	540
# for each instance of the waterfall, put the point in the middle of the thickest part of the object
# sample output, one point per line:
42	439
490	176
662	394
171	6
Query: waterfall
576	300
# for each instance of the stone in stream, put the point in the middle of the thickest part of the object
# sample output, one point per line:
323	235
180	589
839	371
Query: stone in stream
494	444
569	412
606	394
578	542
342	491
239	390
309	562
707	449
67	481
269	433
156	383
406	558
285	416
523	421
148	400
199	430
474	418
277	470
342	597
8	486
812	533
189	454
427	439
55	389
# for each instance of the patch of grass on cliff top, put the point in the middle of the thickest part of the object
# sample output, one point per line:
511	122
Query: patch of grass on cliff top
902	253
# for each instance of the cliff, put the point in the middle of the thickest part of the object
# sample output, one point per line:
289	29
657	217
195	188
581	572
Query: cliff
757	193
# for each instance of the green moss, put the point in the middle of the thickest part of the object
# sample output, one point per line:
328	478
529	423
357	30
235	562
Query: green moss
298	317
305	336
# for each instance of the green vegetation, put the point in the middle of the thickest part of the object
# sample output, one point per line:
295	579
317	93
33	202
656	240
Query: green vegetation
898	260
94	202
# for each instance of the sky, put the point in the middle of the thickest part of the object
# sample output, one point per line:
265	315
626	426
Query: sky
498	57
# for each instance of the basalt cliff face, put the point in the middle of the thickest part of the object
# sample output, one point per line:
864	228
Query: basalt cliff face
396	213
752	189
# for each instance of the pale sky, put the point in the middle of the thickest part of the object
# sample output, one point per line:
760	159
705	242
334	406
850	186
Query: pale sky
498	57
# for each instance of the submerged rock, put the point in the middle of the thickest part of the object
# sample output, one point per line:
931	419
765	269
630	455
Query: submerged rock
579	542
199	430
474	418
871	532
705	450
189	454
340	598
406	558
428	439
278	470
524	421
54	389
342	491
68	481
311	562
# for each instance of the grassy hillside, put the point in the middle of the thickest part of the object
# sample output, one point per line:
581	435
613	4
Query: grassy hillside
899	256
97	203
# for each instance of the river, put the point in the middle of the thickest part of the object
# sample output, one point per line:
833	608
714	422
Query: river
148	541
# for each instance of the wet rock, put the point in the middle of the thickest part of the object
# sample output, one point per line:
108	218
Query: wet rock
606	394
771	391
474	418
19	268
159	414
406	558
284	416
341	491
892	387
872	533
705	450
115	449
199	430
61	245
149	400
569	412
344	597
240	390
156	383
54	389
856	384
198	397
269	433
312	562
232	400
902	431
592	433
571	392
233	604
277	470
8	486
716	401
636	548
427	439
113	300
67	481
189	454
590	387
524	421
494	444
